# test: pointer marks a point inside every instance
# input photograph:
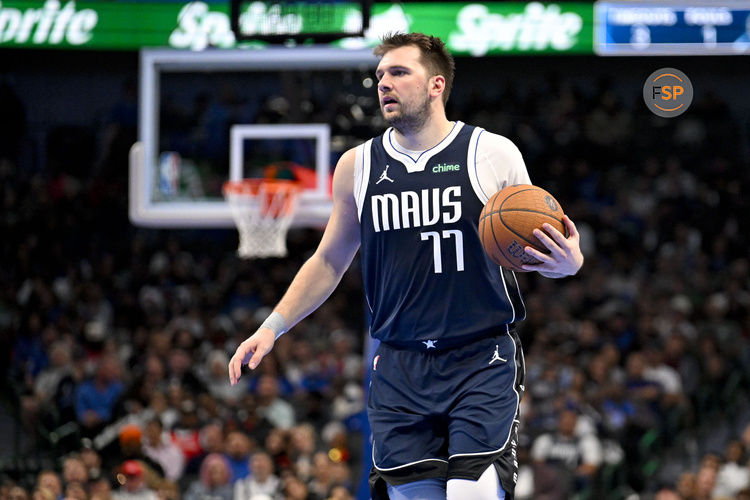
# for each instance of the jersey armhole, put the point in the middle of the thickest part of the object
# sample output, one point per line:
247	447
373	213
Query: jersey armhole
361	175
471	162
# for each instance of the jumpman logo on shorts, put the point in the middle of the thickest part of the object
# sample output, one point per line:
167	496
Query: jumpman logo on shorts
384	176
496	356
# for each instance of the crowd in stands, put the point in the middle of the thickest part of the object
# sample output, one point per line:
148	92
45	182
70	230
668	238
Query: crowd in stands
116	339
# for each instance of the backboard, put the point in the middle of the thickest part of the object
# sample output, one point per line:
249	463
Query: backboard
175	184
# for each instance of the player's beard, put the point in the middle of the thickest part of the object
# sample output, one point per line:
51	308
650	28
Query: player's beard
411	117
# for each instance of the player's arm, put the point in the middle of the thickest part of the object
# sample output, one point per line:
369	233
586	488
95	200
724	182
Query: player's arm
318	276
500	164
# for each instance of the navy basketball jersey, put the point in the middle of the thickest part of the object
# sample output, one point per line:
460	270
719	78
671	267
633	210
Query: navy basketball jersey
425	273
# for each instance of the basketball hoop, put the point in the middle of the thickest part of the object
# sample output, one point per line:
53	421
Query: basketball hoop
263	210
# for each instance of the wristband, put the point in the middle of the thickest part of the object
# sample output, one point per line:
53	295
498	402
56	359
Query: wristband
276	323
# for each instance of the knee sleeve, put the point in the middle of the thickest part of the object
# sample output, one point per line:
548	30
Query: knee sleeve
426	489
487	487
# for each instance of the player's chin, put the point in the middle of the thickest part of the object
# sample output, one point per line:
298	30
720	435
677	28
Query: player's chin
388	114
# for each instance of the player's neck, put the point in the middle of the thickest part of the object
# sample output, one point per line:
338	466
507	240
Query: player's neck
435	129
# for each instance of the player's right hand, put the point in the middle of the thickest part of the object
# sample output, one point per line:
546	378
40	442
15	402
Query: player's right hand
250	352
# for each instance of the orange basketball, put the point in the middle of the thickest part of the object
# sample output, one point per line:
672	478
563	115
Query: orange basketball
508	220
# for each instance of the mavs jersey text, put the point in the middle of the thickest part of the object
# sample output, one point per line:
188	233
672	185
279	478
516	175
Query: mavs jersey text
423	265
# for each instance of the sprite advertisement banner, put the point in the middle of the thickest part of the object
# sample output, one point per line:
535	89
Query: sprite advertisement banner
472	29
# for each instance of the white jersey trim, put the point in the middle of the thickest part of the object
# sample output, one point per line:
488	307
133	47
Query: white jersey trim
405	465
507	294
471	166
361	175
418	164
515	420
520	296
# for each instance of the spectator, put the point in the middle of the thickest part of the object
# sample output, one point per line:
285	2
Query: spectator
686	485
181	372
133	483
159	447
705	482
131	449
43	494
277	446
16	493
261	480
643	394
215	378
96	398
215	480
295	489
76	491
575	459
667	494
150	380
100	489
74	470
185	433
323	475
270	405
92	461
211	440
303	450
733	475
47	382
340	493
50	481
238	447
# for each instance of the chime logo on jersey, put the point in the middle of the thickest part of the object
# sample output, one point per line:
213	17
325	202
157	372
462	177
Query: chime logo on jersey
416	208
444	167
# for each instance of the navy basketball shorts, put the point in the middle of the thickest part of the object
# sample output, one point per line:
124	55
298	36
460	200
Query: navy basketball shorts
446	413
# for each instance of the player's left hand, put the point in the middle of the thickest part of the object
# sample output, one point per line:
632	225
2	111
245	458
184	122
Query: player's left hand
564	257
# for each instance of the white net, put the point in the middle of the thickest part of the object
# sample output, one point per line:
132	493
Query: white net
263	211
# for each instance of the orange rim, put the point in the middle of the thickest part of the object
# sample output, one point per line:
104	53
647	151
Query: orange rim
251	187
277	195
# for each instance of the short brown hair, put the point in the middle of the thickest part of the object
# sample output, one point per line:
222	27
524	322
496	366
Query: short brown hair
434	55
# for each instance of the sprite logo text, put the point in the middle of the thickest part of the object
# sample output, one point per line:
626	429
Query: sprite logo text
538	27
51	23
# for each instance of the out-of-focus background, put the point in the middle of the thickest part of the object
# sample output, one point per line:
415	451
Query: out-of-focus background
115	336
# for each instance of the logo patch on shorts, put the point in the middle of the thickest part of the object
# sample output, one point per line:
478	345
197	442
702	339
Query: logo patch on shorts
496	356
375	362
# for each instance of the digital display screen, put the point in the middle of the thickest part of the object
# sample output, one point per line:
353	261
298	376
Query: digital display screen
658	28
274	20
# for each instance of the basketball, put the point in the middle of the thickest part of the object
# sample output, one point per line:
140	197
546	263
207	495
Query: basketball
508	220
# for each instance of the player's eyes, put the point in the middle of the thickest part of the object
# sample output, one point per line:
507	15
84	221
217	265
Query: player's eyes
393	72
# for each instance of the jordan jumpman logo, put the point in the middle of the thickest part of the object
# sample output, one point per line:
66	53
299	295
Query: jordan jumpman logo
496	356
384	176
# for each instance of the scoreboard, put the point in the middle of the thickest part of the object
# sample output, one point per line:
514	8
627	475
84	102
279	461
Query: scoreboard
671	28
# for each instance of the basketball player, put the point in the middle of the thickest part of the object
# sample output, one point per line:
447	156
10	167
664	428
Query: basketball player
448	375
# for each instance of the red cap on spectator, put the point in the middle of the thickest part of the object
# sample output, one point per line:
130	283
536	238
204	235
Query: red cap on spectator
132	468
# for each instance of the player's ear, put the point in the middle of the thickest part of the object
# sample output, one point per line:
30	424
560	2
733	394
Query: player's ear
437	85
